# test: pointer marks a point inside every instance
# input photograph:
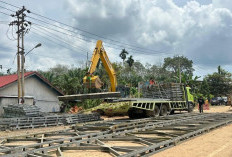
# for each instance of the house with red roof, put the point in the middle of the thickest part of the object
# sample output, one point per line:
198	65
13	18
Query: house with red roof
38	91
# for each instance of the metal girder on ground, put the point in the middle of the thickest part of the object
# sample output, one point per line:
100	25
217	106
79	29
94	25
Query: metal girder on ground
89	96
45	121
139	137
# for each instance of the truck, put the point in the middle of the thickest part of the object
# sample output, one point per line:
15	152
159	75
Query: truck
157	100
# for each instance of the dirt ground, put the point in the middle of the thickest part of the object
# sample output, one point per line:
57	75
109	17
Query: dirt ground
217	143
215	109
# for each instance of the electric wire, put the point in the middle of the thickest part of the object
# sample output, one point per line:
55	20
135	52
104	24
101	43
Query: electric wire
8	35
5	13
122	46
54	36
85	36
38	34
86	31
12	30
139	51
198	67
9	4
86	40
7	9
62	41
76	28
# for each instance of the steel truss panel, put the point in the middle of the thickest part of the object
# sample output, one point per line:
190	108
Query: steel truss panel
142	137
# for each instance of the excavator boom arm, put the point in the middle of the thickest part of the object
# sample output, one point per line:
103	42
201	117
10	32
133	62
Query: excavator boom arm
100	53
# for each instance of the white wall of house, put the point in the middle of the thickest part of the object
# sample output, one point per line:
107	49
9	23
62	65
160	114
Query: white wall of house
44	96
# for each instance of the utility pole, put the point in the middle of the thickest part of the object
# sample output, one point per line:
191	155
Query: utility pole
179	70
22	55
22	29
87	61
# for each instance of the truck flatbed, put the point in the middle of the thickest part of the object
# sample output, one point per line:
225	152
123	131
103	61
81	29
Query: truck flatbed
89	96
134	99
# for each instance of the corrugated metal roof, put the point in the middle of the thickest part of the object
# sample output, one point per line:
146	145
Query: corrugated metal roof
8	79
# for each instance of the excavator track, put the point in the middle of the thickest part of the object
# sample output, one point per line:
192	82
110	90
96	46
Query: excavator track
142	137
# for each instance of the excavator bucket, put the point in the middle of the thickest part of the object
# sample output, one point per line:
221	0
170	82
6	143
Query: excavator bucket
92	82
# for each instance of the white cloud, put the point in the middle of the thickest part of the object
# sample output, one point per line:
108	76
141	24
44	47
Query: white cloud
202	32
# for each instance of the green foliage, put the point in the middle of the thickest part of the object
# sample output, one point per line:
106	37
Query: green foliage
219	82
130	61
69	80
178	62
87	104
123	54
205	89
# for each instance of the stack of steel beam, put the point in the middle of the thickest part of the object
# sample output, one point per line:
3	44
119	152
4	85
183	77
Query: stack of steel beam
81	118
44	121
171	91
164	132
21	110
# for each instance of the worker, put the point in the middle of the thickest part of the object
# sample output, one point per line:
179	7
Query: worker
201	103
152	82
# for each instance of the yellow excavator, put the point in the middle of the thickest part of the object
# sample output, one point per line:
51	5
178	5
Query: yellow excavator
92	81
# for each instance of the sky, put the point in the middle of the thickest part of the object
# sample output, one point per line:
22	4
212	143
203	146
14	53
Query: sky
150	30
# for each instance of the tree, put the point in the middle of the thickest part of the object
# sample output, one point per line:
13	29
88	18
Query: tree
59	70
48	75
220	82
123	54
159	73
130	61
178	62
205	89
189	79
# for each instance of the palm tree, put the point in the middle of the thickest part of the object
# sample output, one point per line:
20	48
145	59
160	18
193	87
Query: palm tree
49	76
130	61
123	54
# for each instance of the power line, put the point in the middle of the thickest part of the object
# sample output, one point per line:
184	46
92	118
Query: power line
86	40
58	31
12	34
88	32
134	48
9	4
5	13
58	38
55	42
44	27
63	59
93	34
7	9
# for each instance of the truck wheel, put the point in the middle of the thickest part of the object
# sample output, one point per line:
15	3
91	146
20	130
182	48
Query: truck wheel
154	113
132	114
101	112
163	110
172	112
